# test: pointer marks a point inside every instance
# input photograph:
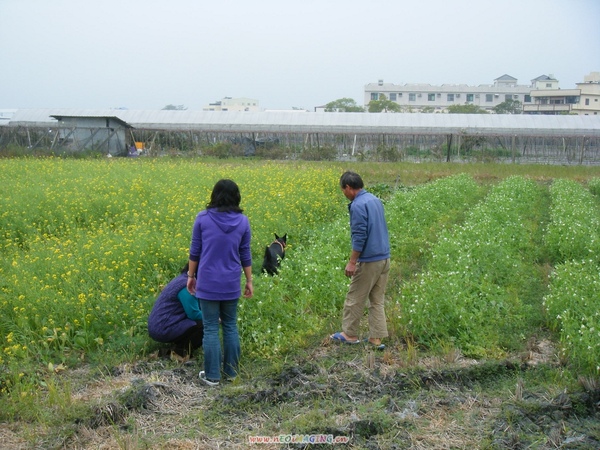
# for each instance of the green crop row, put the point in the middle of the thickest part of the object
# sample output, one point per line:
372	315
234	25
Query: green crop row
309	292
416	217
574	229
573	302
478	289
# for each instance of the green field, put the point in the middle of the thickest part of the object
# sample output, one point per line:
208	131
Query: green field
488	261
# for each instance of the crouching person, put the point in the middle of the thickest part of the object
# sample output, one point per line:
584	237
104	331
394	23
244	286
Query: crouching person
176	317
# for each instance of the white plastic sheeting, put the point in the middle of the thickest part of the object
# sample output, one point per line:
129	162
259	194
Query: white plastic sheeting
336	123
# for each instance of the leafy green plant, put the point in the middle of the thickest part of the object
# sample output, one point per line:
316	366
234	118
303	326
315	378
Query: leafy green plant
472	292
416	216
573	306
594	186
574	229
573	240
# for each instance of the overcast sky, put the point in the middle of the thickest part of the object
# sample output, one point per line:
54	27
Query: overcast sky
145	54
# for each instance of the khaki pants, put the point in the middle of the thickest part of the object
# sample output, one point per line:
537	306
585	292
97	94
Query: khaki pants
368	283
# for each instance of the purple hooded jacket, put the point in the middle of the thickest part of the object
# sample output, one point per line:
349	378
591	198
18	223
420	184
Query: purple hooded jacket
221	245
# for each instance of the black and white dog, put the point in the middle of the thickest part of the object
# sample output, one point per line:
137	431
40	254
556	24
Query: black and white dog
274	253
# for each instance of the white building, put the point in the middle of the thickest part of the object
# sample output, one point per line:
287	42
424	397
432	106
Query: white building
589	101
234	104
429	98
584	100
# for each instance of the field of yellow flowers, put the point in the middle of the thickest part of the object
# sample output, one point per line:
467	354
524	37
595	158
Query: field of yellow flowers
87	245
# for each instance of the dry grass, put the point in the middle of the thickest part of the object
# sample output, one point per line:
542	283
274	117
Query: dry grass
436	403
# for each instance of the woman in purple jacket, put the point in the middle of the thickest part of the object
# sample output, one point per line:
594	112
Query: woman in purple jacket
219	252
176	317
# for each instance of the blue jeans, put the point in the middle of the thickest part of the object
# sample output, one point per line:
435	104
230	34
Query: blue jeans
226	310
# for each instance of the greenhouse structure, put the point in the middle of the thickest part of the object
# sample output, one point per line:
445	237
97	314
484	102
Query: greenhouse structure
518	138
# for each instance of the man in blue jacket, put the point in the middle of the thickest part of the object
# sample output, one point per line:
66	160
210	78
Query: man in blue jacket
368	266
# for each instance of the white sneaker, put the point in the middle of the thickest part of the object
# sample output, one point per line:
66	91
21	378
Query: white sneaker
206	381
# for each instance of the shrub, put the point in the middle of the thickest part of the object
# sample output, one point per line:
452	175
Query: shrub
387	153
322	153
223	150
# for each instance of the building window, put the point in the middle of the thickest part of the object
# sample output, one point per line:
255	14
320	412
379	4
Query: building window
507	97
374	96
527	98
450	97
587	101
412	97
489	97
548	85
469	97
431	97
571	99
393	96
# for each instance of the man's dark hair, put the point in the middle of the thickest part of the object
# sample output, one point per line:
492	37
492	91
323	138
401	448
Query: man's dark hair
351	179
225	196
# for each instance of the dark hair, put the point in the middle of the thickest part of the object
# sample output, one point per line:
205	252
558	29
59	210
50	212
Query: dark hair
225	196
351	179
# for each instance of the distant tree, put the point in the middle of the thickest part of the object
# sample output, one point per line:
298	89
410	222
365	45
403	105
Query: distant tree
467	108
343	105
509	106
383	105
427	109
174	108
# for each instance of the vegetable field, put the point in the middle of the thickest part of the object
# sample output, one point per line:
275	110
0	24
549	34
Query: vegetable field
87	245
492	305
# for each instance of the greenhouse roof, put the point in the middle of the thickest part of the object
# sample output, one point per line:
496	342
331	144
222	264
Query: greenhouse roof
337	123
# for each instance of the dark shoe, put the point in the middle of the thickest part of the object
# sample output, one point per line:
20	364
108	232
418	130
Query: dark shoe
207	381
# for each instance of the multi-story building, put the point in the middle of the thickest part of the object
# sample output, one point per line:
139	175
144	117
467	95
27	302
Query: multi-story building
589	99
552	101
584	100
428	98
234	104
